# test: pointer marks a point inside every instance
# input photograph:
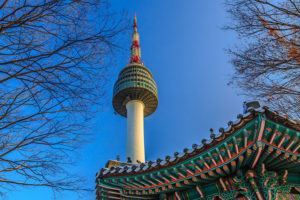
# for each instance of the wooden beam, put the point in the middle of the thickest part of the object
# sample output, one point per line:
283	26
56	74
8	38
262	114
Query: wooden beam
247	157
261	146
220	155
212	159
245	138
199	191
170	187
212	174
226	169
137	182
196	179
233	165
266	153
188	169
142	179
149	180
179	172
281	141
220	172
296	164
187	182
204	162
205	177
163	176
177	196
223	184
250	176
228	151
127	181
170	174
124	184
248	153
240	160
236	145
296	149
274	134
196	166
156	178
290	145
274	155
282	158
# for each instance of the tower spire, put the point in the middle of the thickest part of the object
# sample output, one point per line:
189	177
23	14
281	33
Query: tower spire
135	46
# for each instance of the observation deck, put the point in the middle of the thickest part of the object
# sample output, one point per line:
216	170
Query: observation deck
135	82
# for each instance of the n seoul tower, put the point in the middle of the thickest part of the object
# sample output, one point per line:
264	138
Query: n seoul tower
135	97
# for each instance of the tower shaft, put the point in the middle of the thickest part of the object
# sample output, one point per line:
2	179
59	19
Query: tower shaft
135	149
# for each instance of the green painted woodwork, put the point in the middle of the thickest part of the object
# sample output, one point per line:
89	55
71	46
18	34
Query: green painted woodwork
273	158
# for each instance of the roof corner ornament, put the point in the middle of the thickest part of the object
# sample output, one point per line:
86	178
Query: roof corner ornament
212	134
250	105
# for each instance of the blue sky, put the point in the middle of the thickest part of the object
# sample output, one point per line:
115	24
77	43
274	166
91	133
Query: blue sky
182	43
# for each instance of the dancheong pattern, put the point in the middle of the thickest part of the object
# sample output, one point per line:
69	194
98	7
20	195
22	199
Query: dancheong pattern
288	196
256	158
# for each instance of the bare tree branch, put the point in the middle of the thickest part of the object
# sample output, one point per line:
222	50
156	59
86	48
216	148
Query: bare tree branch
53	57
267	64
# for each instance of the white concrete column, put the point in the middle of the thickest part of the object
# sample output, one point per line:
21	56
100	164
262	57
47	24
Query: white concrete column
135	131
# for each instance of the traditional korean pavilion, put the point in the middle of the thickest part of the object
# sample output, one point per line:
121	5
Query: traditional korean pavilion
257	157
